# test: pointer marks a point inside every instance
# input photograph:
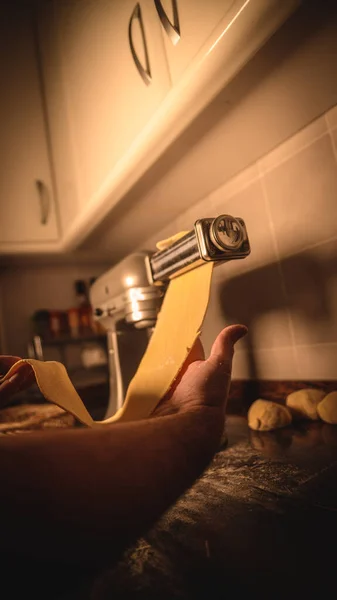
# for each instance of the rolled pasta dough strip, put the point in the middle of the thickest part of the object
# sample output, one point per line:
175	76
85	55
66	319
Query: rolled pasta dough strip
178	326
55	385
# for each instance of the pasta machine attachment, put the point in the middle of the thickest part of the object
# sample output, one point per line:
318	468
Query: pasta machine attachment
127	298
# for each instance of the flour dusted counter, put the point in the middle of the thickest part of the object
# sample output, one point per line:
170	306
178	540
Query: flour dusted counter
261	521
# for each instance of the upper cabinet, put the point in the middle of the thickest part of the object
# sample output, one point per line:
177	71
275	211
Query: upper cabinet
187	25
110	84
108	58
27	200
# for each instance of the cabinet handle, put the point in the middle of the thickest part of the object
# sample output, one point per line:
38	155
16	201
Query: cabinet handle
145	73
44	199
172	29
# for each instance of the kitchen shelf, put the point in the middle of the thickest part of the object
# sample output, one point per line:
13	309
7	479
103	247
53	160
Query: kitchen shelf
64	340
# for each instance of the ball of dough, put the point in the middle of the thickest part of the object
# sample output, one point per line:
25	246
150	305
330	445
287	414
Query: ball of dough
264	415
303	403
327	409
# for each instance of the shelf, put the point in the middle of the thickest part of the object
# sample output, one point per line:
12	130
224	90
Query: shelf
64	340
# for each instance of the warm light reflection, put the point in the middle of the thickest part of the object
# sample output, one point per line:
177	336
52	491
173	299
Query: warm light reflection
228	26
129	281
134	305
136	295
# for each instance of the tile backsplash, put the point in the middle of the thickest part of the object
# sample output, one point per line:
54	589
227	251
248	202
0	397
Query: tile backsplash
286	290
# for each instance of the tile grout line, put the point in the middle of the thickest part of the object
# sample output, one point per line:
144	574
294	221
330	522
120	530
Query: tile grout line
279	266
311	246
240	189
317	344
331	127
330	130
292	154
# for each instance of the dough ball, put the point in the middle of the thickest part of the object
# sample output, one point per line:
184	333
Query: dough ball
303	403
264	415
327	409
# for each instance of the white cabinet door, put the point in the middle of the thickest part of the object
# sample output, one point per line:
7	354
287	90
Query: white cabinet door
27	207
108	99
187	24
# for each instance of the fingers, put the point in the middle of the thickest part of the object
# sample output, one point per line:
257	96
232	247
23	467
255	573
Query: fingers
8	388
6	362
219	366
19	381
223	347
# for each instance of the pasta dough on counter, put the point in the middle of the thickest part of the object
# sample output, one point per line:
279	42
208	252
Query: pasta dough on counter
265	415
303	403
327	409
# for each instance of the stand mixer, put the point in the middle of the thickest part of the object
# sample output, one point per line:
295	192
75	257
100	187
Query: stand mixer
127	298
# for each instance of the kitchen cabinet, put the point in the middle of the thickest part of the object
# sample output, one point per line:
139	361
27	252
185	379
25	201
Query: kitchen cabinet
113	76
27	201
187	25
111	120
118	88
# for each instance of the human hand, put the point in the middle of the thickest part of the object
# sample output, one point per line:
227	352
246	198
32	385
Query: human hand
200	383
22	379
204	383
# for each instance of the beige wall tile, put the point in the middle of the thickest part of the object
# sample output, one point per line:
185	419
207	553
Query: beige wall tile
334	141
254	298
217	318
302	194
249	204
276	363
166	232
311	289
235	185
331	117
293	145
271	329
317	362
241	365
200	210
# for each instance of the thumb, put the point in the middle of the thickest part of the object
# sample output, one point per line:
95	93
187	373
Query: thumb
223	348
219	365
